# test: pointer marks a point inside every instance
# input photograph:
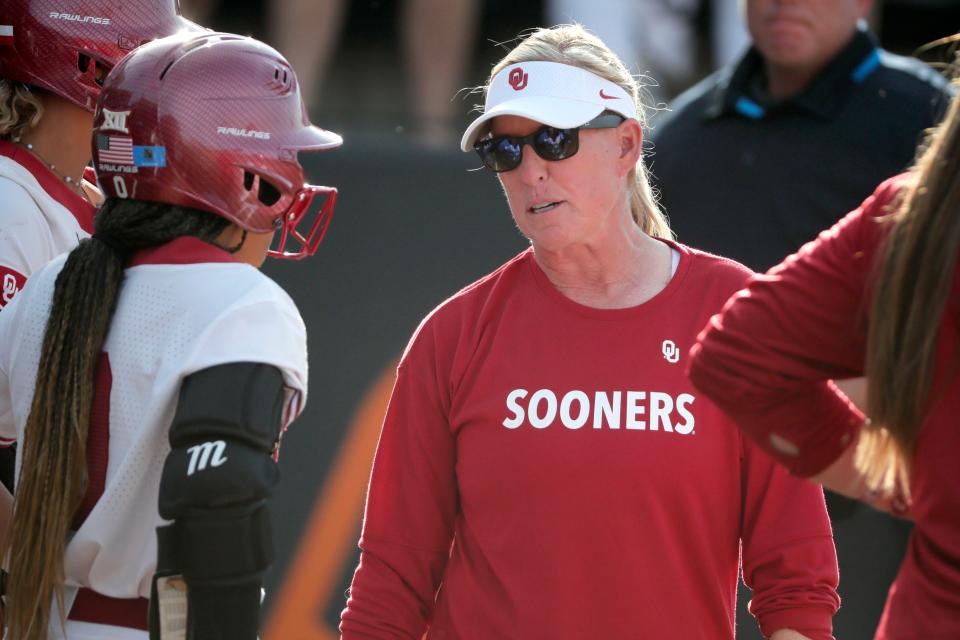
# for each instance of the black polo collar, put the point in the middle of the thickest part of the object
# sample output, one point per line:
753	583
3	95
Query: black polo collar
740	91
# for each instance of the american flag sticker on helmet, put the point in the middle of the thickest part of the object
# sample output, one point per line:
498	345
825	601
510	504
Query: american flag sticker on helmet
115	149
6	35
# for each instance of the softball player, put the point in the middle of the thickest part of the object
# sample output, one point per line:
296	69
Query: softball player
878	294
546	470
154	364
52	62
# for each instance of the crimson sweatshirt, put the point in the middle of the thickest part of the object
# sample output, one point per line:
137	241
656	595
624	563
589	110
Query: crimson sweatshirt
765	360
546	470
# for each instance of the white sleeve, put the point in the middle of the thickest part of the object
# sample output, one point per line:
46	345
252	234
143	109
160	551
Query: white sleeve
270	331
8	427
24	241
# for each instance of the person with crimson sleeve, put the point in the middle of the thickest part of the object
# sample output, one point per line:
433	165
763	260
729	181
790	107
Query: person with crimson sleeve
877	295
52	66
545	468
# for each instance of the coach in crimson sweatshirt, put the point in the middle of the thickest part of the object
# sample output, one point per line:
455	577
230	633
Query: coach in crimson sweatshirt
545	469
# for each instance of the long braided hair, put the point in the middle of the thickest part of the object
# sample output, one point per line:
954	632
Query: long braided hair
53	474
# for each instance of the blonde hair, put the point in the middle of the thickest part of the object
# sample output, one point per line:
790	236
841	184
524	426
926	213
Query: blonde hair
20	108
575	46
913	289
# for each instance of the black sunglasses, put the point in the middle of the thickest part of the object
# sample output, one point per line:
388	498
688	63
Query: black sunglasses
504	153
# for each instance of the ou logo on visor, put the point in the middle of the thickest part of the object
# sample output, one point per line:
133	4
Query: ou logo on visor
518	79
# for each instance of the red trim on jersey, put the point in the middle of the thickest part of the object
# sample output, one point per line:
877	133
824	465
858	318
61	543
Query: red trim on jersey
183	250
51	183
11	282
98	440
291	414
90	606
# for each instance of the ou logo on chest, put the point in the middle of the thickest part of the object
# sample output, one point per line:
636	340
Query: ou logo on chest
671	352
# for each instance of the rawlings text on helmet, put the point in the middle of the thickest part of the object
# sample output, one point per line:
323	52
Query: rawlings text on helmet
76	17
243	133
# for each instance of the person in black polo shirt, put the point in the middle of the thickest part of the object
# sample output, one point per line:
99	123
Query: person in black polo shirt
758	158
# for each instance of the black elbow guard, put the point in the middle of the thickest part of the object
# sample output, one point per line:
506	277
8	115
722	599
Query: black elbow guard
215	485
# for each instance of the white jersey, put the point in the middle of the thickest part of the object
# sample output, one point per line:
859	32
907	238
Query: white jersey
40	218
183	307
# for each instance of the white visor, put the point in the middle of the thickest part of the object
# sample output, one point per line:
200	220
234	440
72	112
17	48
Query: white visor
559	95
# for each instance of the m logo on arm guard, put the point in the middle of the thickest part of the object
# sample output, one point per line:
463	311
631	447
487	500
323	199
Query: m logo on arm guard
206	453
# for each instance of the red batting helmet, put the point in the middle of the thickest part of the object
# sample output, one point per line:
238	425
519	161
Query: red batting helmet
64	46
213	121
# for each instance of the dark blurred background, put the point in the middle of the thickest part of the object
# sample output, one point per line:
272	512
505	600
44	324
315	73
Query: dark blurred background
414	224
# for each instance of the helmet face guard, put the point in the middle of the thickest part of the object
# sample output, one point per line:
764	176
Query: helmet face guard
299	225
